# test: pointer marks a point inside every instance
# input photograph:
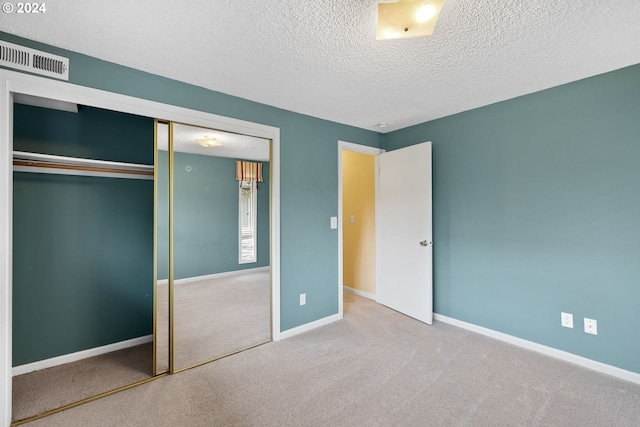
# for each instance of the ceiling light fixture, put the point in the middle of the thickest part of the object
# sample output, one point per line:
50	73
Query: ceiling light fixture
425	12
391	33
208	141
407	18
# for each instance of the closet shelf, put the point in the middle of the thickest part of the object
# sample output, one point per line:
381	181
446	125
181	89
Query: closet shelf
47	163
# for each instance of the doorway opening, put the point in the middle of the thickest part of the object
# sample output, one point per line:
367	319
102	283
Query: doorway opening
403	229
357	201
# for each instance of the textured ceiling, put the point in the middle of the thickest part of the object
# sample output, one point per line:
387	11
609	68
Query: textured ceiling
321	58
235	146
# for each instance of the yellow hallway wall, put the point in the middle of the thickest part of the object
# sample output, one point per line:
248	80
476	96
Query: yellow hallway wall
358	239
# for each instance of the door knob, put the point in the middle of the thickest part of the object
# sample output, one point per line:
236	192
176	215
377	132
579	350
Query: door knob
425	243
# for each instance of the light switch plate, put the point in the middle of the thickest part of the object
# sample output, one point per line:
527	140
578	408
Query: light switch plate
303	299
352	219
334	222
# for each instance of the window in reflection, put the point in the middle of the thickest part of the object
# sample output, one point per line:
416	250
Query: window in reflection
221	305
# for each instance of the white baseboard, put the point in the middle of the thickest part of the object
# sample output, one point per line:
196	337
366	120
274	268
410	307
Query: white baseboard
215	276
548	351
359	292
74	357
309	326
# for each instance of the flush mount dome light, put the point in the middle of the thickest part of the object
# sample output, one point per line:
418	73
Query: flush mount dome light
407	18
425	13
208	141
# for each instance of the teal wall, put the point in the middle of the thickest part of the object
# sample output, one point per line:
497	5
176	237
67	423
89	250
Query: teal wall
206	217
308	173
92	133
82	246
535	204
537	211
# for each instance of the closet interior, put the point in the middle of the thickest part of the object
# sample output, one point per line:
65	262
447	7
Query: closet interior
83	194
127	252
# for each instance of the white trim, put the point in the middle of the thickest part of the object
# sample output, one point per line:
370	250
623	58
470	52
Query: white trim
377	231
349	146
215	276
79	355
310	326
547	351
15	82
359	292
6	247
274	178
358	148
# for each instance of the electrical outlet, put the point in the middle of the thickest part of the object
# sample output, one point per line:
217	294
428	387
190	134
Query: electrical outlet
566	319
591	326
303	299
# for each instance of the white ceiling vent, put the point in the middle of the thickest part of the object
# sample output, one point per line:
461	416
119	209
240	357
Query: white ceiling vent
34	61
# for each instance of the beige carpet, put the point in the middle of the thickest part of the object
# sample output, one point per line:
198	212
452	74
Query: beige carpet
374	368
41	391
213	318
219	316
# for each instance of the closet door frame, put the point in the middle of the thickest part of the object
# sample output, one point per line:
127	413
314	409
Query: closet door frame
13	82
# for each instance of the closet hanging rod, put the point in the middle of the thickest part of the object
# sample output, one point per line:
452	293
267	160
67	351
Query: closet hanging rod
22	158
33	164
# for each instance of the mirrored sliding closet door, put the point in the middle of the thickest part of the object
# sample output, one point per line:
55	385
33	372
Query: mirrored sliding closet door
221	285
141	247
161	249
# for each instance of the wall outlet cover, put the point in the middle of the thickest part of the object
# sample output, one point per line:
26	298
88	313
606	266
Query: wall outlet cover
303	299
566	320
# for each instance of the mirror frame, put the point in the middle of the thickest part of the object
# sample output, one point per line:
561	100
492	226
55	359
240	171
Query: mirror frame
171	267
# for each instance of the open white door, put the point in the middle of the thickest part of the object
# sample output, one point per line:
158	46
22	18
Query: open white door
405	232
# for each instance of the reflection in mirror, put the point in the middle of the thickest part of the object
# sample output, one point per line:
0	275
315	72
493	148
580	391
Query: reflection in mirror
222	284
161	313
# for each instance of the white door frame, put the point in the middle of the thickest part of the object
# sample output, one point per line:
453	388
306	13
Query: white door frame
13	82
349	146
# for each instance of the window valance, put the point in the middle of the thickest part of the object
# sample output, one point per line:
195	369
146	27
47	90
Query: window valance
248	171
